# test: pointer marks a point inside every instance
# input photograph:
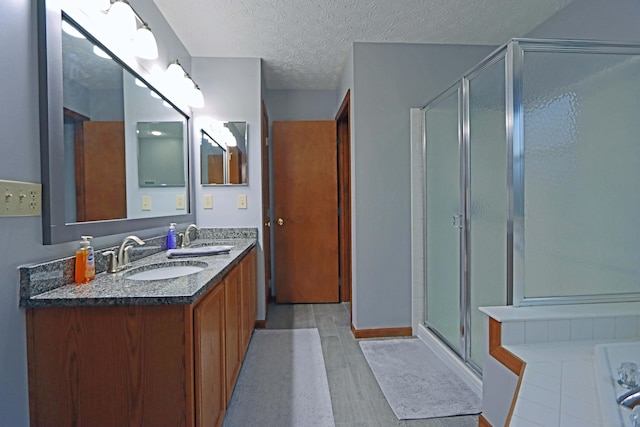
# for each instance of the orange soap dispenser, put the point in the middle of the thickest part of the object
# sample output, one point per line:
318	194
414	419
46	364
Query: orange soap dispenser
85	262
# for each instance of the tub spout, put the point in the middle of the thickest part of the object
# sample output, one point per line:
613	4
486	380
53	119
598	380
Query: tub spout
630	399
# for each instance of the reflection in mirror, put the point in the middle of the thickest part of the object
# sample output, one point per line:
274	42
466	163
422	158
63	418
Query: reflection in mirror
161	151
120	137
214	160
82	94
223	154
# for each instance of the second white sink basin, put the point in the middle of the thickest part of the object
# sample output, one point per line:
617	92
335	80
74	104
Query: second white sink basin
166	270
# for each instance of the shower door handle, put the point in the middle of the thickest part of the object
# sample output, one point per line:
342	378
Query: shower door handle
457	221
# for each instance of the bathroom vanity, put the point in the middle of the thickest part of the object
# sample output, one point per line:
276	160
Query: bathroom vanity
129	352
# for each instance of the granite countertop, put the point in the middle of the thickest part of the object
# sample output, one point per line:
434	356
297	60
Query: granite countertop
116	290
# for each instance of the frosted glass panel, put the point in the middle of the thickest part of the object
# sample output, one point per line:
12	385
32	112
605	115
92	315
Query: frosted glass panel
581	174
488	209
442	203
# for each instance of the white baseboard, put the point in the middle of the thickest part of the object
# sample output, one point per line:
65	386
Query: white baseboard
450	359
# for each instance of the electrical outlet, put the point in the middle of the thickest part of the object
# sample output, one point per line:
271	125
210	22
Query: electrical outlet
20	198
146	203
180	202
207	201
242	201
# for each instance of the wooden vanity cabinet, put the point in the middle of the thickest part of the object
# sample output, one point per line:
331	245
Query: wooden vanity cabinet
140	365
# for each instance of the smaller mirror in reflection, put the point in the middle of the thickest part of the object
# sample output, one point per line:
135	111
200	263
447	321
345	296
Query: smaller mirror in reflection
160	154
223	154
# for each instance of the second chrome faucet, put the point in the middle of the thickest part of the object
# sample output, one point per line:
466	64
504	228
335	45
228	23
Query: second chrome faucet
120	260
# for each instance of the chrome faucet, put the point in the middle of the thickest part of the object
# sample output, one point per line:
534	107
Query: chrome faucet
120	260
630	399
186	239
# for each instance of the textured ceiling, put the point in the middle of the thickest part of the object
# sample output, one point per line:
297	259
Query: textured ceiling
305	43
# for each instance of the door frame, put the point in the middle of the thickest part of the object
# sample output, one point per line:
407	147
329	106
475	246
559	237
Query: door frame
343	126
266	206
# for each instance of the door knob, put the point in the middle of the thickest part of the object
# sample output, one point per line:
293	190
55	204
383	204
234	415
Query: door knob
280	221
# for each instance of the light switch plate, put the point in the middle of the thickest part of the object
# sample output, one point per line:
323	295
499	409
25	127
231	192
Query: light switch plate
180	201
207	201
242	201
146	203
20	198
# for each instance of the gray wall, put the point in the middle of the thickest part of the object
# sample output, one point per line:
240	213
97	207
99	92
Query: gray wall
389	79
286	105
21	238
232	92
594	19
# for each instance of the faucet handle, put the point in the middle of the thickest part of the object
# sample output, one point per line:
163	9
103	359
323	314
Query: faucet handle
113	261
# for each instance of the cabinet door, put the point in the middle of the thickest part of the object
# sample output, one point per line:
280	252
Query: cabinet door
209	335
232	328
249	298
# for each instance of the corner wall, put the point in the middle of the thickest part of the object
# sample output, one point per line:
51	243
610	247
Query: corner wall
389	79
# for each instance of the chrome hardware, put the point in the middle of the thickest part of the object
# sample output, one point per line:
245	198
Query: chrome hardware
113	261
186	240
280	221
122	260
630	399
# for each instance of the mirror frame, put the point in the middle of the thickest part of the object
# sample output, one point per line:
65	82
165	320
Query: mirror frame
54	227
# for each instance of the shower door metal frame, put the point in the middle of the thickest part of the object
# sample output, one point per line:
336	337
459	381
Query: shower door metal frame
462	86
456	87
517	49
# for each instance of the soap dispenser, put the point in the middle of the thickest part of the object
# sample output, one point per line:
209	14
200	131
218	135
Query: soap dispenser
171	236
85	262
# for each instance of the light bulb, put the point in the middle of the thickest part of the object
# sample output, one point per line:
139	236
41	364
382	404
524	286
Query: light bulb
139	82
197	99
101	53
71	30
123	19
144	43
175	71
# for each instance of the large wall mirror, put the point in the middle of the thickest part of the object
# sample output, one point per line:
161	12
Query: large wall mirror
114	150
223	154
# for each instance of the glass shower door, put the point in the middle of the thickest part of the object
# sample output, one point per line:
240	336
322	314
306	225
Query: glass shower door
487	206
443	218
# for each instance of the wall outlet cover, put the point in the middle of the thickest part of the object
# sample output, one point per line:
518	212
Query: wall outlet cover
146	203
20	198
180	203
207	201
242	201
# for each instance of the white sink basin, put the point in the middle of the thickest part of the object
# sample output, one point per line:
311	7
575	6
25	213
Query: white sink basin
166	270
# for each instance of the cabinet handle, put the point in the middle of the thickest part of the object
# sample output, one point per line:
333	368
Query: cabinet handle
267	224
280	221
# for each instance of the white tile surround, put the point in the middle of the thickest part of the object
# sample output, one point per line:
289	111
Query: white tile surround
557	344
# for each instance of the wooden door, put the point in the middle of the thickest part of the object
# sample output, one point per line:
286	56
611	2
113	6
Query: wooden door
344	197
101	180
305	211
215	169
266	218
209	359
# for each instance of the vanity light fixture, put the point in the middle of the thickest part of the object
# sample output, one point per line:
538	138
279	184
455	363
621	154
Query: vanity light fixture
180	78
93	6
122	18
125	19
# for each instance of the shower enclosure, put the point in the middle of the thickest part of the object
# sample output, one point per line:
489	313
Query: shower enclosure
531	165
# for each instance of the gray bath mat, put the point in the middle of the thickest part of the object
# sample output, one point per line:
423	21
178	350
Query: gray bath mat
282	382
415	382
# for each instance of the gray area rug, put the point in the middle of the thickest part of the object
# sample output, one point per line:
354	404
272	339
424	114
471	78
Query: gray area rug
282	382
415	382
